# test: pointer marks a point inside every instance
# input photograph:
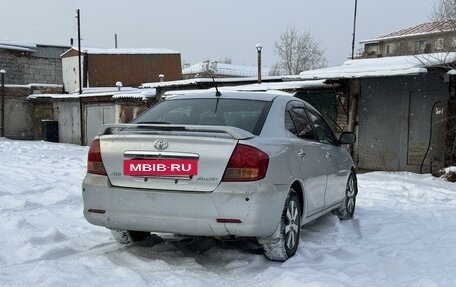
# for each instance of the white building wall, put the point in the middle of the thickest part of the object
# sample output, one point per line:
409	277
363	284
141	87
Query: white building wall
70	73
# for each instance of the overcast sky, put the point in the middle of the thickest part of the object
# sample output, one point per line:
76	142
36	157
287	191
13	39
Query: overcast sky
208	29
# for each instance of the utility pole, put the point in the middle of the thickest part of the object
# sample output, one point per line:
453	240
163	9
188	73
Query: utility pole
2	72
80	79
79	50
354	30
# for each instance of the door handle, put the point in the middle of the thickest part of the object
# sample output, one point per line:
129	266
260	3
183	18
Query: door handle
301	153
328	156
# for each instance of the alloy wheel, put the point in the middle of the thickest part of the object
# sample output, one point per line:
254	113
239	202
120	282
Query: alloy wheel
292	225
351	195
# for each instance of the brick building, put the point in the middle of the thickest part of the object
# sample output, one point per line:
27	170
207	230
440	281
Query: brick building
31	63
431	37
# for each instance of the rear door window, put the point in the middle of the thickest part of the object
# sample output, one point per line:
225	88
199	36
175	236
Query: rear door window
322	129
297	122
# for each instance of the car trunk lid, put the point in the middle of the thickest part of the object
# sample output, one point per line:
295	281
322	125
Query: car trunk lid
160	159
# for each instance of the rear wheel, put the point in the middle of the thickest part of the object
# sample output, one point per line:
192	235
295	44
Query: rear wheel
290	227
127	236
347	210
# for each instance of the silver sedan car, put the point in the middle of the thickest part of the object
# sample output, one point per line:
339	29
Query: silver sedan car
223	164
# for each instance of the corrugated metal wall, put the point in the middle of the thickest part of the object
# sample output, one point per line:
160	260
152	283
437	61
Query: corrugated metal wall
132	70
394	122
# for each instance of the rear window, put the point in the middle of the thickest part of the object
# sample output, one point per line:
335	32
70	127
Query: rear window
245	114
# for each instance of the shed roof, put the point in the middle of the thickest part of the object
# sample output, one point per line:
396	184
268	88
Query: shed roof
17	46
26	47
118	51
197	81
382	67
283	86
125	92
418	30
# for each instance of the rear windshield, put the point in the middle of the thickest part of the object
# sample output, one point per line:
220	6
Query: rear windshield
245	114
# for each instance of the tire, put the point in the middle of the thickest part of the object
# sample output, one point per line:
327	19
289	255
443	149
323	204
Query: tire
347	210
290	230
126	236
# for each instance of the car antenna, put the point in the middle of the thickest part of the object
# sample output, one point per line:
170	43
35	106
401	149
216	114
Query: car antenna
217	93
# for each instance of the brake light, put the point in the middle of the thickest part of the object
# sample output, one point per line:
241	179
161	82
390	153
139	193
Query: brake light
247	163
94	161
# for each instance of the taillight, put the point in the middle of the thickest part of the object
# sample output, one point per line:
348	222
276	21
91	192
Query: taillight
94	161
247	163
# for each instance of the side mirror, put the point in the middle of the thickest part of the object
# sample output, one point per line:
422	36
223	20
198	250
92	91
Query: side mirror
347	138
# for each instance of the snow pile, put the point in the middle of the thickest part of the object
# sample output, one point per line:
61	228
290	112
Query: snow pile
402	235
449	173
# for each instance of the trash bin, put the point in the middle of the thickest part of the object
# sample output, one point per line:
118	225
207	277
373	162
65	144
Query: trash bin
50	130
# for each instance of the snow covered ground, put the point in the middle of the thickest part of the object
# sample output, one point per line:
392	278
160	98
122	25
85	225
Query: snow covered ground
403	234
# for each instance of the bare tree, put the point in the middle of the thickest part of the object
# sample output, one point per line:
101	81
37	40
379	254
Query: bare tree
226	60
444	10
275	70
298	52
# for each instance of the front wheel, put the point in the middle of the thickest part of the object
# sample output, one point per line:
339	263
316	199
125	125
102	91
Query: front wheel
347	210
290	229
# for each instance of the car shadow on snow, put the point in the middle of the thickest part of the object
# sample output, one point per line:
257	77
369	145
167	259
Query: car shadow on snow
192	246
318	238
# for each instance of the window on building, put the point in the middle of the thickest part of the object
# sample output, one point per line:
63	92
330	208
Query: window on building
402	48
439	44
388	49
420	46
372	50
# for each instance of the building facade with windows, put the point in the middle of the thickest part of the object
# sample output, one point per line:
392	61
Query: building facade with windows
430	37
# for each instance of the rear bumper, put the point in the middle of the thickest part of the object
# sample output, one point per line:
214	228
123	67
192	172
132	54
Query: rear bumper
258	205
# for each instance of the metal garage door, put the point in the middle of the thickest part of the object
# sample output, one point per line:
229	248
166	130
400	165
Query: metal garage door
95	116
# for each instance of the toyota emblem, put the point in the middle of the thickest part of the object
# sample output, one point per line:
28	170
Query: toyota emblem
161	144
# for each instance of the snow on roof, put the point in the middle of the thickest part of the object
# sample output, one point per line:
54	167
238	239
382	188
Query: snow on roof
34	85
52	96
196	81
223	90
382	67
147	93
125	92
277	86
98	90
225	69
17	46
123	51
452	72
418	30
290	85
